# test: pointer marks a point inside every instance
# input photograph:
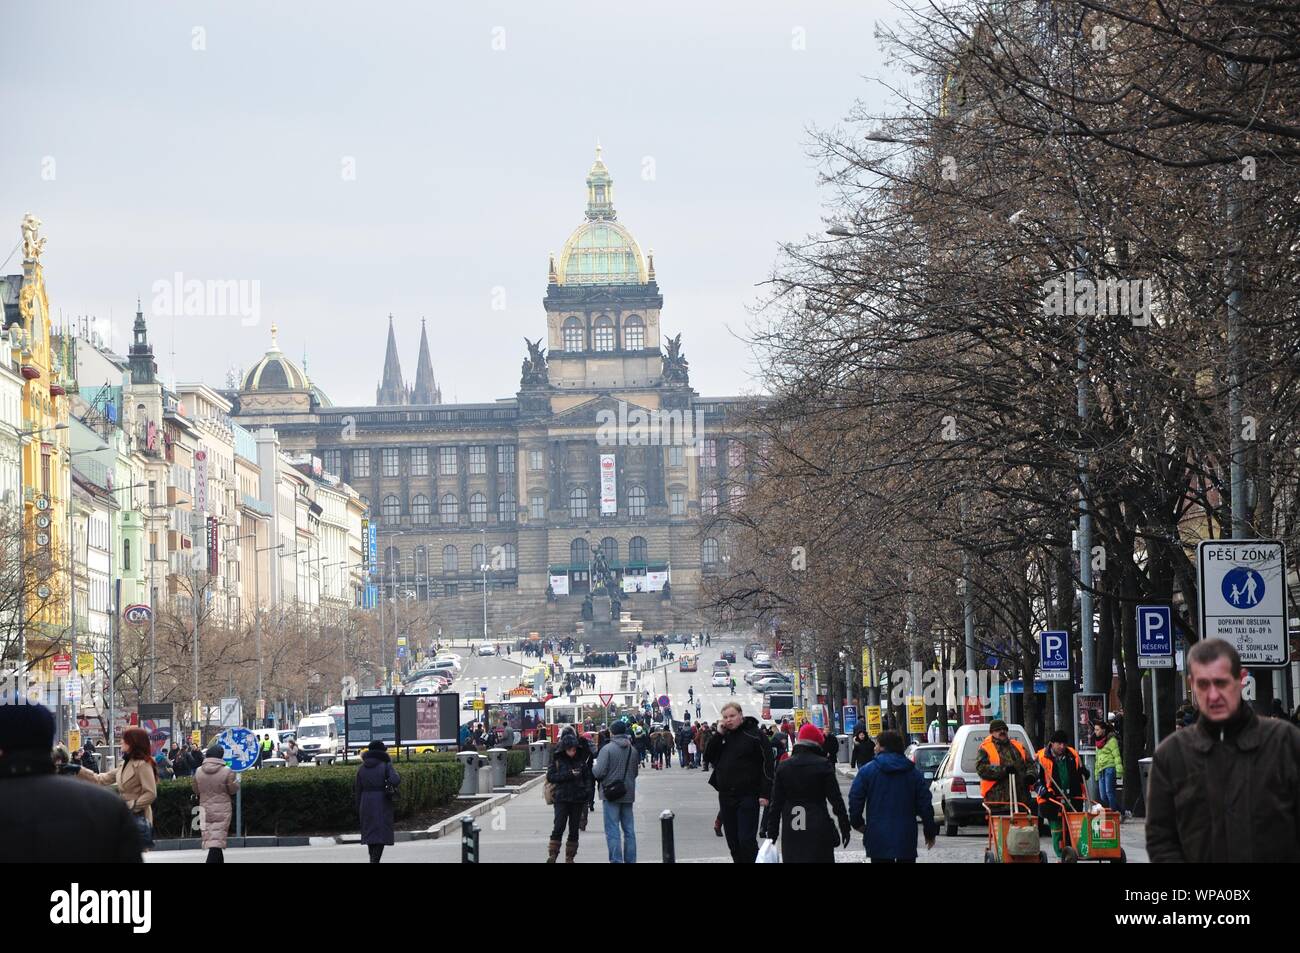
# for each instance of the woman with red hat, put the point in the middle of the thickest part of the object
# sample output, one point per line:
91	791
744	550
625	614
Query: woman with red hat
805	783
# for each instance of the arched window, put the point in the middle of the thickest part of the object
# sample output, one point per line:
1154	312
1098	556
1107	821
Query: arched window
126	555
420	510
709	501
477	508
637	551
506	508
511	557
573	335
390	509
609	546
450	560
579	554
478	556
578	503
636	501
709	552
603	334
633	334
449	508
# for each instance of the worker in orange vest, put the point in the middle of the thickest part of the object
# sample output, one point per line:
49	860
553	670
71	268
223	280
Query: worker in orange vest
1000	759
1061	775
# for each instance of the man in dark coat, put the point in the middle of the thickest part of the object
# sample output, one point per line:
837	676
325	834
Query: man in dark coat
45	818
832	747
864	749
893	793
742	775
805	783
574	790
1227	789
374	789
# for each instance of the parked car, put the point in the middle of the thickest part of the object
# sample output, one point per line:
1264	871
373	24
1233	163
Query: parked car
955	789
762	662
927	757
318	738
755	674
720	679
774	683
751	648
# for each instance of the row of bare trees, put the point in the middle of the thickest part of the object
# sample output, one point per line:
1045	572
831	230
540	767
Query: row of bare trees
1060	277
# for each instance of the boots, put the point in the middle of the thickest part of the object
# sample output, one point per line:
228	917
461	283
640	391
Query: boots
570	850
552	850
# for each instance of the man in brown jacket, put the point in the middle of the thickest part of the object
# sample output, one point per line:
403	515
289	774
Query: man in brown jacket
1227	789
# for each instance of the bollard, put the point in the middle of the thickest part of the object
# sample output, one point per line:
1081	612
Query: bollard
469	832
469	783
845	749
497	762
666	823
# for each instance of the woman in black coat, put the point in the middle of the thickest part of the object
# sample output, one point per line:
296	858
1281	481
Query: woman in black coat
864	749
805	783
574	788
375	788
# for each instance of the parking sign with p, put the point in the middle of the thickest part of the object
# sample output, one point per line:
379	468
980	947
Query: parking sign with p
1054	655
1155	637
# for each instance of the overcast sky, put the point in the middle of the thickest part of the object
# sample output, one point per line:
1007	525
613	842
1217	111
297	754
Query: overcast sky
146	157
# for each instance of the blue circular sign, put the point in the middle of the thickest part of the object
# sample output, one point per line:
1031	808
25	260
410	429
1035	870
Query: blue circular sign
1243	588
241	747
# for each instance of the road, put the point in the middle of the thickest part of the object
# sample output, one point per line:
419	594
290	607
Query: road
518	831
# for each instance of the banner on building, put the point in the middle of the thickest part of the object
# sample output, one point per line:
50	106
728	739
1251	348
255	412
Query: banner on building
655	580
374	547
212	546
608	485
200	482
365	545
560	584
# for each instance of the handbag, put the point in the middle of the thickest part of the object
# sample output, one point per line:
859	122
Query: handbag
548	792
390	789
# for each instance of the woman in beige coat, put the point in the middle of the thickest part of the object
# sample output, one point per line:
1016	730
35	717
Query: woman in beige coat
136	779
216	785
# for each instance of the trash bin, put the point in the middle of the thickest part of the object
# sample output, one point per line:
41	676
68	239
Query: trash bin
1144	765
845	750
537	756
497	761
469	761
484	775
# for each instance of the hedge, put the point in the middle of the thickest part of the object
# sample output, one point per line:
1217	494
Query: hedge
280	801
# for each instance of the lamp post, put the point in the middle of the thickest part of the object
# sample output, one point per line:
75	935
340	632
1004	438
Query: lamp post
484	567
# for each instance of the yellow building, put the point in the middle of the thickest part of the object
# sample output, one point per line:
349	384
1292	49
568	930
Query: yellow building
44	448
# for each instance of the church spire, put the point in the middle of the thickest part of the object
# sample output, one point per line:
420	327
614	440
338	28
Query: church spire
426	388
144	370
392	390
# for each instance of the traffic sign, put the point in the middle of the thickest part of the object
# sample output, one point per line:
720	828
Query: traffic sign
1054	656
1155	637
231	713
62	665
241	747
606	698
664	701
72	689
478	704
1243	597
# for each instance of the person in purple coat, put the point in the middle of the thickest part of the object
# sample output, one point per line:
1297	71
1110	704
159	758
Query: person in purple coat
375	789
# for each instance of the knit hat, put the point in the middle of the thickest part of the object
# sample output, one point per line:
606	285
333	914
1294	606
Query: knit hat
810	732
377	746
997	724
618	728
24	725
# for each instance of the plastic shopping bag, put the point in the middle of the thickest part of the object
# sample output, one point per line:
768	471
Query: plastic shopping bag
767	853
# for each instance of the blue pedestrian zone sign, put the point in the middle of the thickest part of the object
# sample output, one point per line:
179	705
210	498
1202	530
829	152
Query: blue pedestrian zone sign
1054	656
241	747
1155	637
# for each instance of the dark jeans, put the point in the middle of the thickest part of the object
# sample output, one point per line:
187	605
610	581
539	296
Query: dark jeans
570	813
376	851
740	825
215	856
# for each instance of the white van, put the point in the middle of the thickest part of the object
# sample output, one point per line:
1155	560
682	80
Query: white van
955	790
318	738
